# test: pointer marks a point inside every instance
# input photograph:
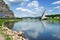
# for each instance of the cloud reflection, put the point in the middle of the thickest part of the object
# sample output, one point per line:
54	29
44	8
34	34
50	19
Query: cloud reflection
33	28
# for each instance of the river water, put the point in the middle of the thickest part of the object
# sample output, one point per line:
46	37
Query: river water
34	29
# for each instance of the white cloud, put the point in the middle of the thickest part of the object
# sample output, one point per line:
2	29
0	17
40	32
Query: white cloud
50	10
15	1
18	0
42	7
28	12
57	7
12	0
57	2
32	8
33	4
25	10
38	9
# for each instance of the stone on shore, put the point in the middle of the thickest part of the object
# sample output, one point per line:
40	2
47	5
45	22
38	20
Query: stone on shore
15	35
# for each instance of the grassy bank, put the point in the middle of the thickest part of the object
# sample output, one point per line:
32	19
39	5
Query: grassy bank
8	20
55	20
2	30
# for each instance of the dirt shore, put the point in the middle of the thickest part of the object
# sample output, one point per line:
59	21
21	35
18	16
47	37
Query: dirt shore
2	37
13	34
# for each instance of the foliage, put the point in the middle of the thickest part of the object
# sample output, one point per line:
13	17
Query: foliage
54	15
8	37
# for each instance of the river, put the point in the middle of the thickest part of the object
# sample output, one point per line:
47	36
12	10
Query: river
34	29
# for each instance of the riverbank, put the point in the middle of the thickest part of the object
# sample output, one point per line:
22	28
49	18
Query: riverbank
8	20
53	19
11	35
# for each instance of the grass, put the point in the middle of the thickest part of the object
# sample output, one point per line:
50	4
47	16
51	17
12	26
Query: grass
7	37
1	21
54	20
2	31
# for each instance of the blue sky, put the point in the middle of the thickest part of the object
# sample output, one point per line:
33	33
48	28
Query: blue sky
33	8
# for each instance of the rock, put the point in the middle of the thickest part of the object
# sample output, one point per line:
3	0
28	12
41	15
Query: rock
20	33
9	33
21	38
15	35
5	11
5	28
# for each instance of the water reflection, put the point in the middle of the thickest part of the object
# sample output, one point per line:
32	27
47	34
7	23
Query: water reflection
10	25
37	30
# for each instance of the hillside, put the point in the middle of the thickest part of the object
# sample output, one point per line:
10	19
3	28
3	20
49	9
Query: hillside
5	12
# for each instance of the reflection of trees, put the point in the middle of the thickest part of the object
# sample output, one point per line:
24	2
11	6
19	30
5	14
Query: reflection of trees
9	24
